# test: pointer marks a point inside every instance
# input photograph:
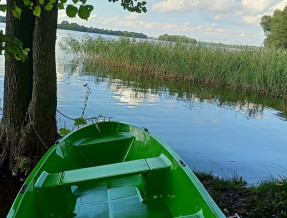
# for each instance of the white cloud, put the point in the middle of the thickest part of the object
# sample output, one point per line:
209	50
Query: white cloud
190	5
132	16
92	16
174	6
210	32
242	35
110	20
252	20
258	6
62	14
254	10
248	11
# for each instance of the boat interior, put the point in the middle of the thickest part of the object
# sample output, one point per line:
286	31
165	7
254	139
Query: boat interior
111	169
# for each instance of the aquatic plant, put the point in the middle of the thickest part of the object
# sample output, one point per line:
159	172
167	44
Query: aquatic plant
260	70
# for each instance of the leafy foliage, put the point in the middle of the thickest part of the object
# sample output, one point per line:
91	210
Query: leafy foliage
16	12
13	47
275	28
64	131
132	5
80	121
37	11
49	7
266	24
175	38
71	11
3	8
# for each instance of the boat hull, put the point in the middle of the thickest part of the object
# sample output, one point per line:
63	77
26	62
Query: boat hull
112	169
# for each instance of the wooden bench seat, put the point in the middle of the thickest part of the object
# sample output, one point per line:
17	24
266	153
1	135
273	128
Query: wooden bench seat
73	177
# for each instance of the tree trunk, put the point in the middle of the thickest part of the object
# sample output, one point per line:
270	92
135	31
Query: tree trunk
29	124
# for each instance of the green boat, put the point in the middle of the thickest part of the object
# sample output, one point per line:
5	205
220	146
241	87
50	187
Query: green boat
112	169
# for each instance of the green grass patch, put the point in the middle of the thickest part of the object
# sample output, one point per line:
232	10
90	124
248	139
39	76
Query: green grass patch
269	199
259	70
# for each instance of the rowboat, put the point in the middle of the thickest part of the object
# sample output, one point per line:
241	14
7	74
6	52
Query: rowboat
112	169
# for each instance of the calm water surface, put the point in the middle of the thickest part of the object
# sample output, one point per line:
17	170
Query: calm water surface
212	130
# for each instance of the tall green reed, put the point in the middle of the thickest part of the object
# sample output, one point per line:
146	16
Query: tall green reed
243	68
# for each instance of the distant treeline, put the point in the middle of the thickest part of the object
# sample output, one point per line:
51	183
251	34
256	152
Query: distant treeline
2	19
73	26
176	38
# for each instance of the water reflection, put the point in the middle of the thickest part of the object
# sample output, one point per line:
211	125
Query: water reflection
214	130
131	97
134	88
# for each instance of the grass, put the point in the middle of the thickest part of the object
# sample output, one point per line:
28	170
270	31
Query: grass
269	199
259	70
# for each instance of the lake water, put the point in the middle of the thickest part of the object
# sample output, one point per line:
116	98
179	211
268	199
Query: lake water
218	131
212	130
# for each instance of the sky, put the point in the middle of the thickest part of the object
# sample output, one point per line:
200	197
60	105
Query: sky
225	21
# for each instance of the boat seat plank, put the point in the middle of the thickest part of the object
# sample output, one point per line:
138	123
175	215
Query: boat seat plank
157	163
72	177
103	139
100	172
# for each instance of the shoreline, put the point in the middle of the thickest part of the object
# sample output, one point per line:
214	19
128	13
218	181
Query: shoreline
234	196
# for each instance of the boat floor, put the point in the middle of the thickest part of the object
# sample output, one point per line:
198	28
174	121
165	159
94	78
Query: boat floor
120	197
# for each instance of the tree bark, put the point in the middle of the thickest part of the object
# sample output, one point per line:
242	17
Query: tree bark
29	123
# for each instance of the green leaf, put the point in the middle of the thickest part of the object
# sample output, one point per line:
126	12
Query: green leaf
52	1
63	1
8	56
83	13
41	2
3	8
75	1
37	11
26	51
71	11
80	121
16	12
83	1
14	49
2	36
61	6
89	8
64	131
26	2
49	7
17	58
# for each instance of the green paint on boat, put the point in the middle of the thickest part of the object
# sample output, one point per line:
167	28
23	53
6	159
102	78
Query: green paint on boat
112	169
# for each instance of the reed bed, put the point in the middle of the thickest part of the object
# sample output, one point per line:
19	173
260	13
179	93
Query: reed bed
259	70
